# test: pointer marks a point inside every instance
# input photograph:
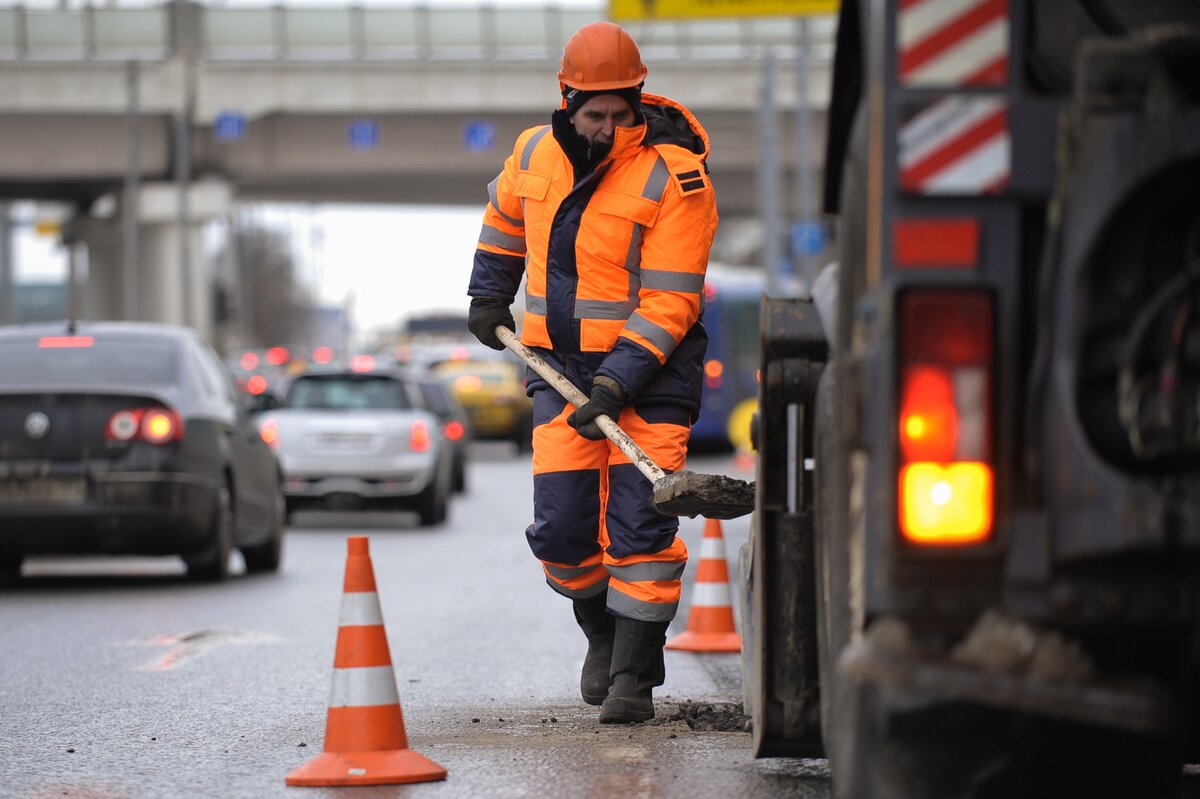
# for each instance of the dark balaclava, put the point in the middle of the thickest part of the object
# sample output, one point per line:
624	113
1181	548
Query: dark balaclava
577	97
583	153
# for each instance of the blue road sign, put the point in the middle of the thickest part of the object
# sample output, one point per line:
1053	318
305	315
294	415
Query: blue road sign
364	134
807	237
229	126
479	136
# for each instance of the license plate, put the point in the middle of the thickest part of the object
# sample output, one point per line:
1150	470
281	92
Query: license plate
66	491
344	442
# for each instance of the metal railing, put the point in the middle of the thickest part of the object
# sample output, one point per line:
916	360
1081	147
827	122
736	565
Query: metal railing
400	33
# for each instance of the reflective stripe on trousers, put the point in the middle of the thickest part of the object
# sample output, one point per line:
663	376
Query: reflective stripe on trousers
594	524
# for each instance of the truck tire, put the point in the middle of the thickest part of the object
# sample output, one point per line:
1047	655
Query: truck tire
832	564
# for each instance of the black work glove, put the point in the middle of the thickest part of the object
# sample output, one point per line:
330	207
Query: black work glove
486	314
607	399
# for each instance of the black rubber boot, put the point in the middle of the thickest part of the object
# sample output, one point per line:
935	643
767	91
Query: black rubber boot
599	627
637	667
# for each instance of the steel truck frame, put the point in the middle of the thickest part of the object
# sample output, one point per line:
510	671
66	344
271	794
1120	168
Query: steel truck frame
973	565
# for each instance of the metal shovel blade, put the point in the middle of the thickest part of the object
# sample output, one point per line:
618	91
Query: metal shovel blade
713	496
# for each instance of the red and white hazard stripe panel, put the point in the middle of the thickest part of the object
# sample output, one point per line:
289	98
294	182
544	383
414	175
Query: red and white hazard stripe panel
956	145
953	42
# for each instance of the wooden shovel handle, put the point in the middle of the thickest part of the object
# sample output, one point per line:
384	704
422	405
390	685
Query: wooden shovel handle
576	397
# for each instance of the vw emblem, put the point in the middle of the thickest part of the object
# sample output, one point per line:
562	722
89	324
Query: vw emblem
37	425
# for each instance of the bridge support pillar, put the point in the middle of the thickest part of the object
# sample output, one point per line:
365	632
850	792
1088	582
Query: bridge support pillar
170	285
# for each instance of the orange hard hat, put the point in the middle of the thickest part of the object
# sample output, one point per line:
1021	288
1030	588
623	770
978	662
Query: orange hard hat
601	56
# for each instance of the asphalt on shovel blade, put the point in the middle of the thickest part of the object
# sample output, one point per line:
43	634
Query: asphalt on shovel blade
713	496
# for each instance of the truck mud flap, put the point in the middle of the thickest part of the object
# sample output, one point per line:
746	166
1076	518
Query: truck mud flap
784	701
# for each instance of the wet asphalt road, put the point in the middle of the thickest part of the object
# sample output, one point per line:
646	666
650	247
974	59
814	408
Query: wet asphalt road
120	679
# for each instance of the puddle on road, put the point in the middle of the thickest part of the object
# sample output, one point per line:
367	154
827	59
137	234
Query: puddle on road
189	646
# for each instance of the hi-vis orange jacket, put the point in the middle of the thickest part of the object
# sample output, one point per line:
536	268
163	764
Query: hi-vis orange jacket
614	262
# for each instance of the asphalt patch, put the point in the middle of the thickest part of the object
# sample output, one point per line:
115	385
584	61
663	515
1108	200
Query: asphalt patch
703	716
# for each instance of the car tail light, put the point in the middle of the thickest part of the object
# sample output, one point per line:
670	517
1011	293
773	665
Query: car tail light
713	371
278	356
256	385
454	431
60	342
124	426
322	355
249	361
468	384
945	421
362	363
418	440
155	425
269	431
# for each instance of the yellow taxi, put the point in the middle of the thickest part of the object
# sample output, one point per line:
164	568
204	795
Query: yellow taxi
493	394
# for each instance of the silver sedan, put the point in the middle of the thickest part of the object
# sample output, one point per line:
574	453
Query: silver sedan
351	440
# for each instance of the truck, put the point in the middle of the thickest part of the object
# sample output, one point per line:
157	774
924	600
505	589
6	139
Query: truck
972	567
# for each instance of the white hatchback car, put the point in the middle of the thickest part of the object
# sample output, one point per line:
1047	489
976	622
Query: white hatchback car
350	440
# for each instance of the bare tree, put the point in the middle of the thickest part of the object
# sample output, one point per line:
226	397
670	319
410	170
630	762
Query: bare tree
261	294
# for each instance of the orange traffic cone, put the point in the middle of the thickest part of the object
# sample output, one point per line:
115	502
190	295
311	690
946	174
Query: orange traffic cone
710	623
365	742
744	459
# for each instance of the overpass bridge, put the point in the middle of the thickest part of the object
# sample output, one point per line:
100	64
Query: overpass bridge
175	111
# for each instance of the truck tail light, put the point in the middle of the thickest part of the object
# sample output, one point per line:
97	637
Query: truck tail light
154	425
418	440
947	368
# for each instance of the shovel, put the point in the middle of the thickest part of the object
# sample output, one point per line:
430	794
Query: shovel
682	493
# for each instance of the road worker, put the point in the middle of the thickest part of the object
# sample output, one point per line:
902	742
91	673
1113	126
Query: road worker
609	214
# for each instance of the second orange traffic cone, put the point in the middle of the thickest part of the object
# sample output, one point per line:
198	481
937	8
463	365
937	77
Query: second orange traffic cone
365	741
710	621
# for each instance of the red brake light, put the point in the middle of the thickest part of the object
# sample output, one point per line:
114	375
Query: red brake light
322	355
454	431
269	431
362	363
278	356
419	439
60	342
249	361
928	418
945	419
256	384
160	426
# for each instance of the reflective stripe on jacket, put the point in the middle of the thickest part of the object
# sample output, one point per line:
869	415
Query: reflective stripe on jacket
614	264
